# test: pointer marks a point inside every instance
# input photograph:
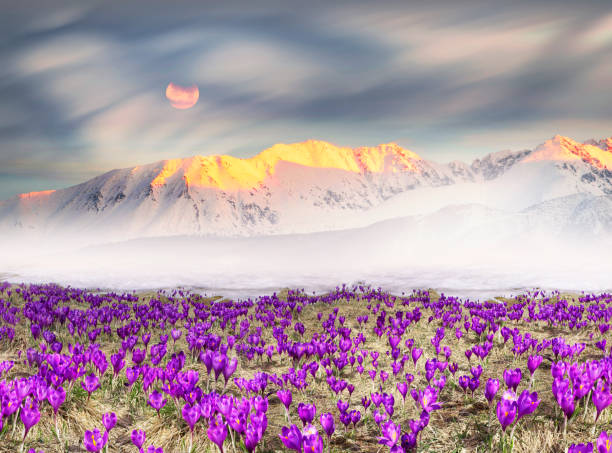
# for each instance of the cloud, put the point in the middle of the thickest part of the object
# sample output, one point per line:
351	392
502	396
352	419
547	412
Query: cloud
59	53
454	39
85	85
57	18
595	37
264	68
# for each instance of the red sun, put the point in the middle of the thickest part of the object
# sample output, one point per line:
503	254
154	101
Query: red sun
181	97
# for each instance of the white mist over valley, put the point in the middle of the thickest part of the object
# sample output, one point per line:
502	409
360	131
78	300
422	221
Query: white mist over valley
315	215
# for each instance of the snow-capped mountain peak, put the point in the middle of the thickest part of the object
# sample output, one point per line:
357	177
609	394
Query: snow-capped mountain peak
560	148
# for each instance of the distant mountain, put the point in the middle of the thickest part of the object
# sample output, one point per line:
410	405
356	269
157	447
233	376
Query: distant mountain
555	244
308	187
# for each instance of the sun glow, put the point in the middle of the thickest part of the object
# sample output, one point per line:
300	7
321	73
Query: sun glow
181	97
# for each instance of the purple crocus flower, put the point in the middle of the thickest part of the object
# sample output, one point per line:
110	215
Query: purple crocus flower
416	355
109	420
94	441
118	362
41	390
252	437
311	440
218	364
260	403
191	414
473	384
230	368
601	397
90	384
207	357
582	386
527	403
390	434
476	371
291	438
217	431
365	402
464	382
306	412
558	369
491	388
176	334
409	441
23	387
138	437
513	378
402	388
355	416
285	397
581	448
138	355
604	443
440	382
56	398
383	375
342	406
345	419
30	415
327	423
533	362
567	403
507	409
428	398
157	401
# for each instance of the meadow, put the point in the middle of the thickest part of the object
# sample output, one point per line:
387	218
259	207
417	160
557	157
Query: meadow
356	369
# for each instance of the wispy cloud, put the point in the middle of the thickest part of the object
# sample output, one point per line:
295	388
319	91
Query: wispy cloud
82	85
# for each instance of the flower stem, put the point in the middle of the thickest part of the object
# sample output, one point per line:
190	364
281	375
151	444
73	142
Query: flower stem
231	431
595	416
56	428
15	421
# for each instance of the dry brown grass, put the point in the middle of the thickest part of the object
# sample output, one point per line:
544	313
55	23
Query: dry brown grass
464	424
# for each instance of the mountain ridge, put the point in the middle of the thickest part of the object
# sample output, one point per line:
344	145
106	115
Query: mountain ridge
302	187
364	159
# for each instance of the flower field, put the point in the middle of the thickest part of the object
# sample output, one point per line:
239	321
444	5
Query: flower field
356	369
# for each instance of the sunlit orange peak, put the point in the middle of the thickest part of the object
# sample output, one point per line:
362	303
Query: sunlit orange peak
231	173
565	149
35	194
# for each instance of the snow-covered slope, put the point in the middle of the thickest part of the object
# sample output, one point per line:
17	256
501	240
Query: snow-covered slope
301	188
461	247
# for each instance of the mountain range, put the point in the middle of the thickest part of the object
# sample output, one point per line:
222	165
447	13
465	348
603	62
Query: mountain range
315	186
313	214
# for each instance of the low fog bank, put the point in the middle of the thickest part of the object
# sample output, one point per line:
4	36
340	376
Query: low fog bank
486	253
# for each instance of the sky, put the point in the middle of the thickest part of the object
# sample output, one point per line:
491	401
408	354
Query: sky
82	84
